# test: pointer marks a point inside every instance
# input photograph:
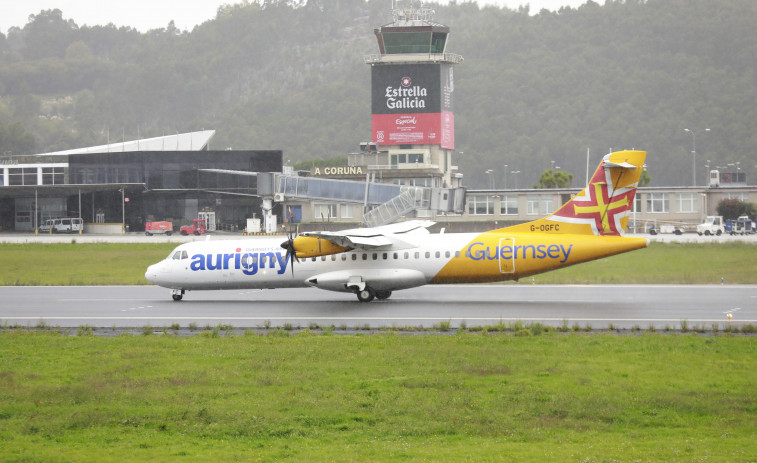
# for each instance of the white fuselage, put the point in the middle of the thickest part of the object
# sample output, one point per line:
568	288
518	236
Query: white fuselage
261	263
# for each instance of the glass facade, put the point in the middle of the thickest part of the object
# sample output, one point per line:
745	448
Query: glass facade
658	202
172	170
480	205
686	202
414	42
176	186
508	205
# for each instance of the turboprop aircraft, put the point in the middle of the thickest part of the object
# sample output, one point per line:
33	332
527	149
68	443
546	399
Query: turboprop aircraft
374	262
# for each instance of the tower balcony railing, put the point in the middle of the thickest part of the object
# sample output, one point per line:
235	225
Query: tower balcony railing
451	58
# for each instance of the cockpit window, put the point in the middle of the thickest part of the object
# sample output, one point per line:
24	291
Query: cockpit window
184	255
177	255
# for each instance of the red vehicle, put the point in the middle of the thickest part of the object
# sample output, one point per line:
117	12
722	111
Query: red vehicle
197	228
158	228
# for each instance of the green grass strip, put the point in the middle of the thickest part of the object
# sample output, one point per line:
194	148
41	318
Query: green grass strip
467	397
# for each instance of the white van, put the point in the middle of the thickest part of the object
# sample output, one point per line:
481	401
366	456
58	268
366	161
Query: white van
48	225
68	225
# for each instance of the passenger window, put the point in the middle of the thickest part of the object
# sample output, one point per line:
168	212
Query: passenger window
396	256
446	254
417	255
384	256
313	259
428	254
375	256
365	256
323	258
407	255
457	253
438	254
344	257
333	258
354	257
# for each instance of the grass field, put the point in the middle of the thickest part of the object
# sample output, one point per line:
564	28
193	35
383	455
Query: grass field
466	397
111	264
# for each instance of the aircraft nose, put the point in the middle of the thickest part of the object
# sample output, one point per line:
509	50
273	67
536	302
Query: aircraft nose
152	274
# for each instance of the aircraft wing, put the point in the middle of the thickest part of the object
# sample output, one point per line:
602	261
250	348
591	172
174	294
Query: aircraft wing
395	235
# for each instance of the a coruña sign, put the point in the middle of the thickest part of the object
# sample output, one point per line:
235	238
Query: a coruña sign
339	171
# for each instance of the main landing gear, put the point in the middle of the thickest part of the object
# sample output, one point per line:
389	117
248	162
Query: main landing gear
367	294
177	294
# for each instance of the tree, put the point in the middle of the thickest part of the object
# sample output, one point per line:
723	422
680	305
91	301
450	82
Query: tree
14	139
733	208
554	179
644	179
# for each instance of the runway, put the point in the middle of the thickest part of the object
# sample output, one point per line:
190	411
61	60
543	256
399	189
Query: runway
596	306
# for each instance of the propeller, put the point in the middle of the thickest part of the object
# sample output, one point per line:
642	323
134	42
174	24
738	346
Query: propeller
291	254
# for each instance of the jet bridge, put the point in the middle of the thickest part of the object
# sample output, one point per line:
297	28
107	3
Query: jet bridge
387	202
383	202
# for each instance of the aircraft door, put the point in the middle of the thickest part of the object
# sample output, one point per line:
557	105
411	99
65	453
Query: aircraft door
506	253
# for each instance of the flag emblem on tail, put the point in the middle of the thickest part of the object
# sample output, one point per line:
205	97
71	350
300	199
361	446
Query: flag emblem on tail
600	205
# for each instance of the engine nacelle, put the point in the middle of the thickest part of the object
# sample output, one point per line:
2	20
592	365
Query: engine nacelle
311	246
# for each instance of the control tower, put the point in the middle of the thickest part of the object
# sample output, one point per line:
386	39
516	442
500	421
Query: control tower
412	90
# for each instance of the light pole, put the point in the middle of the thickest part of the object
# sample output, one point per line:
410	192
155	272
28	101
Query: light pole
490	173
504	173
515	173
694	154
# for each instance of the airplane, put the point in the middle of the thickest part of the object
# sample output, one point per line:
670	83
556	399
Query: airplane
375	262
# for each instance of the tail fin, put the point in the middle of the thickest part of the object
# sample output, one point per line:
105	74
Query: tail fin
603	207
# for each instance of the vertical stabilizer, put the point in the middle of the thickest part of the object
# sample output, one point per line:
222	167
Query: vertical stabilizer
604	205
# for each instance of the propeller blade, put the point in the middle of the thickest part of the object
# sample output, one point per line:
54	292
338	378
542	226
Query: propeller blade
291	254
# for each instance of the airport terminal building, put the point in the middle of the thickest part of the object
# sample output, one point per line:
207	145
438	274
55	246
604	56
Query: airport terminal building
169	178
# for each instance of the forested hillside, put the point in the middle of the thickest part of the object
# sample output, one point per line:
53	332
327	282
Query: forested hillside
534	88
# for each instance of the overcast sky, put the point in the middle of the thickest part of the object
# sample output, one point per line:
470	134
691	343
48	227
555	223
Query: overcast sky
152	14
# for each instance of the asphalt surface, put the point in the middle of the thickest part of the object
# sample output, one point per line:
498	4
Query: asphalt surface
598	307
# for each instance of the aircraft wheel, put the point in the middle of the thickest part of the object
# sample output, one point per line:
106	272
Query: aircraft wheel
383	294
366	295
177	295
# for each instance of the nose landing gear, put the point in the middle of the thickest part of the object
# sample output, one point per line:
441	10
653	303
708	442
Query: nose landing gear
177	294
